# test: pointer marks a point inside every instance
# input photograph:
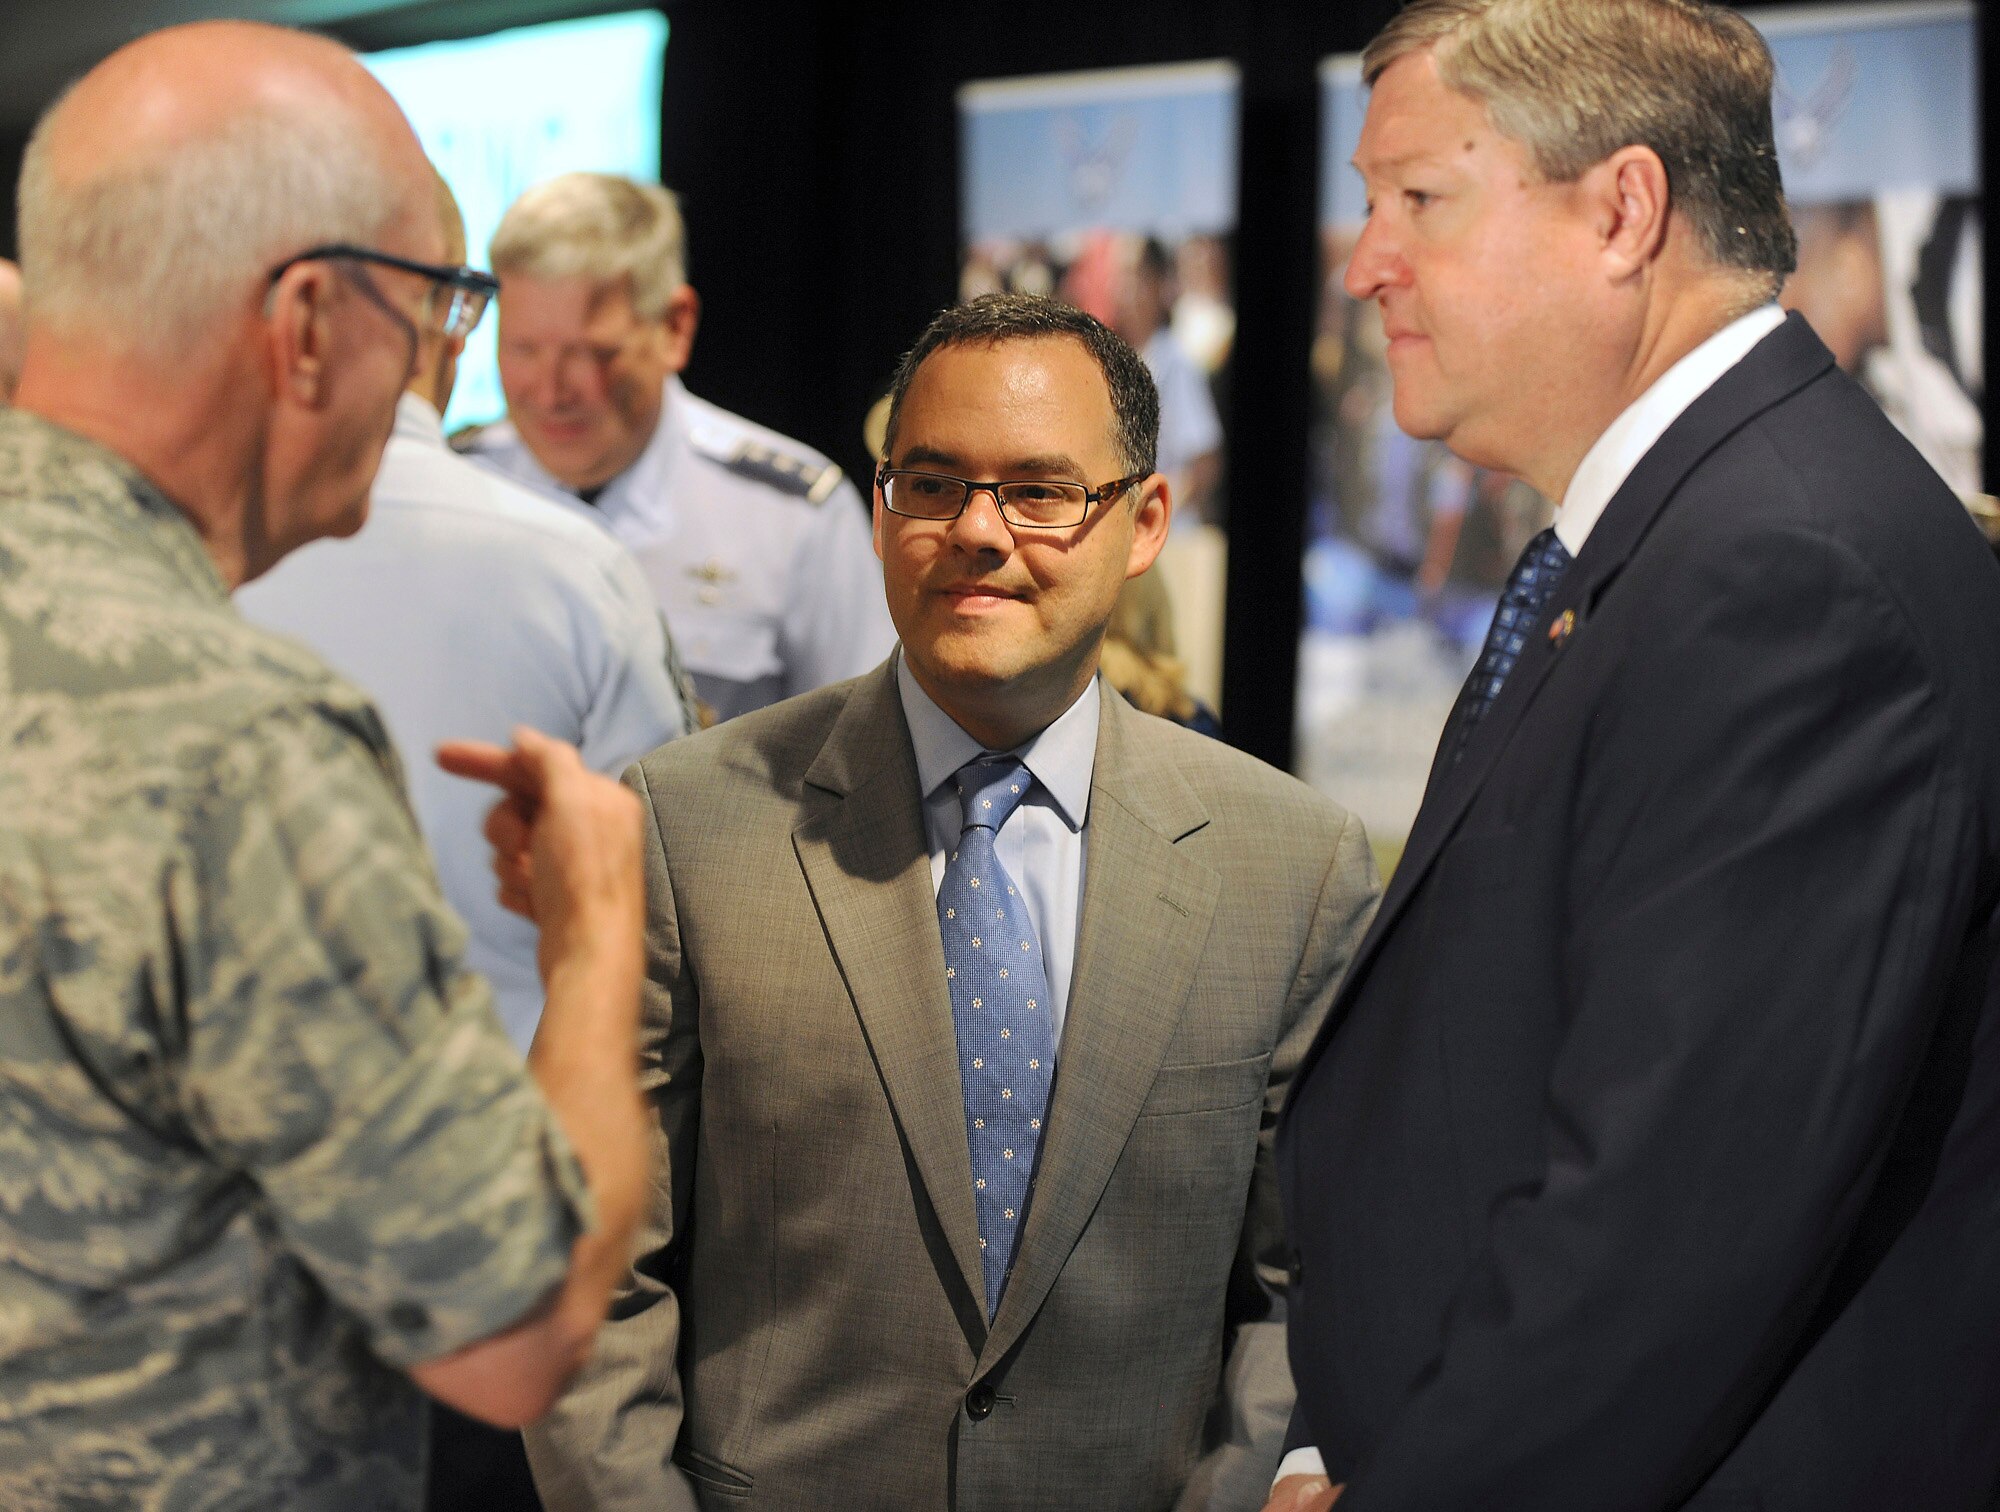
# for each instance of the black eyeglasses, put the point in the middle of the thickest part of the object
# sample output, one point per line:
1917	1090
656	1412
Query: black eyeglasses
1032	504
452	305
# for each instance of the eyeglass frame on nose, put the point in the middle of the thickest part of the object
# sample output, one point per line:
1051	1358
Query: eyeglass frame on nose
470	289
884	473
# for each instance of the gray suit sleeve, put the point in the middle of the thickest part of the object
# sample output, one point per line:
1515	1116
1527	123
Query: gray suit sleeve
608	1444
1254	1407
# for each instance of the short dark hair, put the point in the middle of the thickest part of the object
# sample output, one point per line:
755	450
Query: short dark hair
994	318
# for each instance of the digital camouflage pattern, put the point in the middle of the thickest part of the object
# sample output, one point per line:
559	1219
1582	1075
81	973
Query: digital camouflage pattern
262	1139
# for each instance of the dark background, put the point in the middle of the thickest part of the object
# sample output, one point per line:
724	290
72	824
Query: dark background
815	146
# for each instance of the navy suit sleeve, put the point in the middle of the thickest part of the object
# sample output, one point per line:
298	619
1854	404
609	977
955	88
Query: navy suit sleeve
1770	862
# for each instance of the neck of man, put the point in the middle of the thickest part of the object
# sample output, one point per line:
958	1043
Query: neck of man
436	371
587	487
1003	716
188	433
1678	315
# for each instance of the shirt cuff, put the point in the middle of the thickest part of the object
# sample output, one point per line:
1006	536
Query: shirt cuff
1300	1462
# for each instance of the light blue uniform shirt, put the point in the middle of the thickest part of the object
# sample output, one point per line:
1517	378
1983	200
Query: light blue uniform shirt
464	606
757	549
1043	842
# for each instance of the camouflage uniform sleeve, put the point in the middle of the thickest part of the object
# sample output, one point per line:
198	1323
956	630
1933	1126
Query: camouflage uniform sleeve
340	1055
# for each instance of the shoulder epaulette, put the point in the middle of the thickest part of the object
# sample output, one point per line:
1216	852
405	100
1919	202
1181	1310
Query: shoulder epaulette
801	477
466	437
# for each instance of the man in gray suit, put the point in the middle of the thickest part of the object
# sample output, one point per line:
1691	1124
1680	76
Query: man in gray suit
974	996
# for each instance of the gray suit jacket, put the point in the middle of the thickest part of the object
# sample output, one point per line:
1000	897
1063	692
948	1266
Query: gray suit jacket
805	1325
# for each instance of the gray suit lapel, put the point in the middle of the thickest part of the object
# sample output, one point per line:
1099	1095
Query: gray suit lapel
863	850
1145	919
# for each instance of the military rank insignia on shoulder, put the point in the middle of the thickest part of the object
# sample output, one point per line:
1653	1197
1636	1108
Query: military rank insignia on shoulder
801	477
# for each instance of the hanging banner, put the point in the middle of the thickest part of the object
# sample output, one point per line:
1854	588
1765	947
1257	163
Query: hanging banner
1876	113
1117	192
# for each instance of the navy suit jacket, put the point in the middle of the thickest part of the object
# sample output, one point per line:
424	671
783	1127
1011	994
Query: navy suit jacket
1650	1157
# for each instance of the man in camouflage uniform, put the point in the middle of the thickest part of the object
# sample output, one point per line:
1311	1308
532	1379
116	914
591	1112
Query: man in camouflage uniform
268	1163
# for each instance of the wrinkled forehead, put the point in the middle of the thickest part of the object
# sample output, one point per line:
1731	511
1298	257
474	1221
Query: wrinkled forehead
572	307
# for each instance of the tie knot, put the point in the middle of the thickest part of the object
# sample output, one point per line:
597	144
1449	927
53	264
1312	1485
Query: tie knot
991	788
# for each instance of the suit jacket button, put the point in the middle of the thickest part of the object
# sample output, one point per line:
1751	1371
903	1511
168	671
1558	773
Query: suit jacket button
979	1402
1295	1272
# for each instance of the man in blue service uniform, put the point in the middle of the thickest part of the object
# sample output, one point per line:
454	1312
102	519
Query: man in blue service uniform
757	547
465	606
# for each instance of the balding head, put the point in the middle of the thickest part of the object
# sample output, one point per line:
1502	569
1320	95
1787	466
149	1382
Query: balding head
159	192
10	329
159	198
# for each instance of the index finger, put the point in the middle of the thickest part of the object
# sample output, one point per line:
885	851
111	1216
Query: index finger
483	761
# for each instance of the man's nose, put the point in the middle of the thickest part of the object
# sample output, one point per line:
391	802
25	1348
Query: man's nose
1374	264
979	526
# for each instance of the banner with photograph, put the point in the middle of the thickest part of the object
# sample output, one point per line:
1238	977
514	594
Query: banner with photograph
1877	122
1117	192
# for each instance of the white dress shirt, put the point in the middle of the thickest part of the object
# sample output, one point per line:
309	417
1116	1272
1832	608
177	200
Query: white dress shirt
1599	476
1043	842
1611	458
466	605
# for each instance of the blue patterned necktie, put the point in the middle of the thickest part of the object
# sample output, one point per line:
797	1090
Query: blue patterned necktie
1000	1008
1529	588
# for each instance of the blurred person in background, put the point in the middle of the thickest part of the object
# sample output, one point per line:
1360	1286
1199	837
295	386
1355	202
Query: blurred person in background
272	1168
1190	429
755	546
10	329
1138	657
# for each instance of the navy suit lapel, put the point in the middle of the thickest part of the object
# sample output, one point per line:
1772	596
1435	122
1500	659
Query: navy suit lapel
1777	367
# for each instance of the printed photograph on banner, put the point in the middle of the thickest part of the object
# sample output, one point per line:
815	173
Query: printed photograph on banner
1876	114
500	113
1116	192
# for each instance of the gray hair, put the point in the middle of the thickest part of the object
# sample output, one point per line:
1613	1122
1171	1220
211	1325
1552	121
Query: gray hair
153	255
1575	80
599	226
994	318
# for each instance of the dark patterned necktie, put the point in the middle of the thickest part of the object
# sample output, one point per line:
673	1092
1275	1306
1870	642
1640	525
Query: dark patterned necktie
1529	588
1000	1009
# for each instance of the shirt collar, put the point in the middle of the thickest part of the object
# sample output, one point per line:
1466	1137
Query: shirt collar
1062	758
417	419
1610	460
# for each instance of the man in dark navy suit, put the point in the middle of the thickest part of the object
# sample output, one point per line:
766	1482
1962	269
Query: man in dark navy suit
1650	1158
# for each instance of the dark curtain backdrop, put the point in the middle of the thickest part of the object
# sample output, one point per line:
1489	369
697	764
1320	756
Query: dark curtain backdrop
815	146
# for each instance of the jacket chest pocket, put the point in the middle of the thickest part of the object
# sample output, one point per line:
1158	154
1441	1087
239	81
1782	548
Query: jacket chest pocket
1211	1088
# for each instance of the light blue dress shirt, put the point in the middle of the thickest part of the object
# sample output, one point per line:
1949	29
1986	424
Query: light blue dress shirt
1043	842
468	604
756	546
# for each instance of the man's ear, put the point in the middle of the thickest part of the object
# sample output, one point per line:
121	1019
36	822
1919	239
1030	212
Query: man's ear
679	320
1151	516
1630	204
299	333
876	513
